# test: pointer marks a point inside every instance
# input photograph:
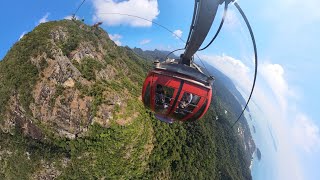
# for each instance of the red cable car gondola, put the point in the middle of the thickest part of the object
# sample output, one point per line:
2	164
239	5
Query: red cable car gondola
176	92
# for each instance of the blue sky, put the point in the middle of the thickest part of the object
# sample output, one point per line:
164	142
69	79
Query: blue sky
287	34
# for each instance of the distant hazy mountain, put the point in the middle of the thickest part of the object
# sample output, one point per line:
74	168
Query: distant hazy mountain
153	55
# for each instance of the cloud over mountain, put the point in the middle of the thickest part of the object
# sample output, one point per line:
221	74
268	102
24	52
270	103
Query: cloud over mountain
177	33
44	18
276	98
306	133
23	33
147	9
116	38
145	41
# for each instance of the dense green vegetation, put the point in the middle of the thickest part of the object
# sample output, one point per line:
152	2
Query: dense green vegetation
88	67
207	149
142	148
20	156
106	152
17	74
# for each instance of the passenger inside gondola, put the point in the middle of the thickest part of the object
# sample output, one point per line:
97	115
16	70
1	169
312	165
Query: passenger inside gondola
185	100
160	99
163	98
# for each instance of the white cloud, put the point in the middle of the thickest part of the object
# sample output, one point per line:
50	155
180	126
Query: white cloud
233	68
306	134
177	33
145	41
295	132
44	18
116	38
273	74
70	17
147	9
23	33
232	20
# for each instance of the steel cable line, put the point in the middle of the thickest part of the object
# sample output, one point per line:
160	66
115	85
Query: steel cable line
74	14
174	51
130	15
158	24
255	57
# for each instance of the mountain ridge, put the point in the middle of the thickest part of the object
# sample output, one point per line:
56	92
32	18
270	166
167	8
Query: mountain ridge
153	55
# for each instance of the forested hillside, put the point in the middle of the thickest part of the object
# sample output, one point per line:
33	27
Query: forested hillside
71	109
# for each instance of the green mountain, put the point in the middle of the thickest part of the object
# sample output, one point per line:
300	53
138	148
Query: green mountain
153	55
71	109
230	98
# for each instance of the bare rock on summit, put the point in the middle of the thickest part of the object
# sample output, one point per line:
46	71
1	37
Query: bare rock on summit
59	34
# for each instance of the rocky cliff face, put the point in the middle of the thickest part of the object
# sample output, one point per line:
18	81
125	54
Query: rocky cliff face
59	102
62	79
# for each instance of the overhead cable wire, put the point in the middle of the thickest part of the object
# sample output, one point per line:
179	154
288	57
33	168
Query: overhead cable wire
158	24
74	14
130	15
255	59
174	51
204	65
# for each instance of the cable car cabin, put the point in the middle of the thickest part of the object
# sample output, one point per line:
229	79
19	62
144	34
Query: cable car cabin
176	92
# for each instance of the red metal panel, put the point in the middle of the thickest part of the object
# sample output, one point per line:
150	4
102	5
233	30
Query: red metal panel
195	89
208	104
145	84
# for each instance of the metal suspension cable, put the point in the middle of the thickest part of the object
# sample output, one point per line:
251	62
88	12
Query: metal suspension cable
130	15
220	27
255	57
197	57
74	14
208	72
158	24
174	51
